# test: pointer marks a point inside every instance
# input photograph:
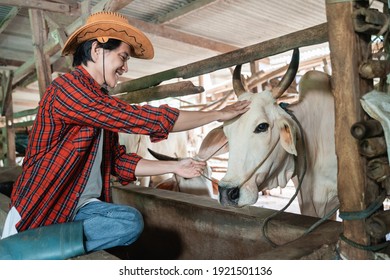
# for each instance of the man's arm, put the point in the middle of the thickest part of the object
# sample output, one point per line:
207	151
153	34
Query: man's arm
187	168
192	119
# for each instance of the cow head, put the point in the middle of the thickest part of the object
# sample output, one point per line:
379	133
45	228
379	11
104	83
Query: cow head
262	143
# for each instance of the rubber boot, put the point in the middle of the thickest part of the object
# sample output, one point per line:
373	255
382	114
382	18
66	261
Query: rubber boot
54	242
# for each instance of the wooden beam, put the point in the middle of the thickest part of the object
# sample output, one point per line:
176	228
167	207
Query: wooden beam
311	36
173	230
51	47
42	59
25	113
61	39
6	80
254	66
9	130
42	5
347	50
10	62
161	92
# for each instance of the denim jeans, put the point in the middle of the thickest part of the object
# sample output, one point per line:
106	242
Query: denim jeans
108	225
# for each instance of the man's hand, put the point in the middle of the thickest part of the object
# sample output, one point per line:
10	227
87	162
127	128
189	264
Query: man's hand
234	110
189	168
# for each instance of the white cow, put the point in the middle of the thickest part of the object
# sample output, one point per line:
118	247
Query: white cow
266	144
174	146
204	185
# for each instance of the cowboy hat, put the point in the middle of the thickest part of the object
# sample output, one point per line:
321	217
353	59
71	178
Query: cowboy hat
108	25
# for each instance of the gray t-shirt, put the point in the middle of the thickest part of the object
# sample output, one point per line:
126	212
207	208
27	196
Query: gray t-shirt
94	185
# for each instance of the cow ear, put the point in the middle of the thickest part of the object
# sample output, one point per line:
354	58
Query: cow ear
215	143
288	136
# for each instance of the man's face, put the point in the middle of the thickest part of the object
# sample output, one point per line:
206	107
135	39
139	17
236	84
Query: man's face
113	65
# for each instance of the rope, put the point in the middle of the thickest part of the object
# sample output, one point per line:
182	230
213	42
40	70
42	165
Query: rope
356	215
373	248
359	215
300	178
224	144
375	205
371	209
319	222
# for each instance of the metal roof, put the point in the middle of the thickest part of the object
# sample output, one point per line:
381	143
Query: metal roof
210	27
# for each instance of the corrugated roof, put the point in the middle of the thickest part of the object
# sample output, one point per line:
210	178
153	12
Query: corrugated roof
231	23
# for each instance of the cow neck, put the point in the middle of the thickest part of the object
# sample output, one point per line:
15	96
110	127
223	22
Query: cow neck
301	158
299	170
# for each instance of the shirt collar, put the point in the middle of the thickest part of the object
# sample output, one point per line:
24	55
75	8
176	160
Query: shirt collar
84	74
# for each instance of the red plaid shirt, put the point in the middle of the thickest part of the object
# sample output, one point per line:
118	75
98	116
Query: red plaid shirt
63	144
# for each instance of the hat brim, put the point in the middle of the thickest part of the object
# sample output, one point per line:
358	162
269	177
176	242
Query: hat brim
141	47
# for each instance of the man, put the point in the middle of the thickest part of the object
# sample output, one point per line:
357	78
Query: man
73	147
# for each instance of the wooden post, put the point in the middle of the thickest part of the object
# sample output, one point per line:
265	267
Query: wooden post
7	111
42	60
254	65
347	50
202	98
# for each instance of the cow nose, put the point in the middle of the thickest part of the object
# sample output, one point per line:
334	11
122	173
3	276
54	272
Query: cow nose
233	194
229	196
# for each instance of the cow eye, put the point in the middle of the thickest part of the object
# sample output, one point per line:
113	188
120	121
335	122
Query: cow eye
263	127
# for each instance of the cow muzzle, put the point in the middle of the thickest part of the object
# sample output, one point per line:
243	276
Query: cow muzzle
229	196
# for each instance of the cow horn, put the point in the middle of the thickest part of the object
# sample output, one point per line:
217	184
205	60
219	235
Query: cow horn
289	77
161	156
238	87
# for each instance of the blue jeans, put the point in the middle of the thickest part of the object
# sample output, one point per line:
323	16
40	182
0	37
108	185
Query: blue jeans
108	225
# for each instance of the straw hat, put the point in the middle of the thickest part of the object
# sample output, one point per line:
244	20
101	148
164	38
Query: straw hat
108	25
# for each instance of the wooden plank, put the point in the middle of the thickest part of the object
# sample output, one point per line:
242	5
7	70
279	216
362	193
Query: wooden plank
254	66
25	113
176	223
42	5
346	53
9	128
42	59
161	92
310	36
50	48
6	80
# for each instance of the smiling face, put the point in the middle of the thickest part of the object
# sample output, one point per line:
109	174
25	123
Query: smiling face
108	65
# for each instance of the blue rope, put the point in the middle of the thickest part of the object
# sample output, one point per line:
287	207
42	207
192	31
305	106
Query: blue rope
359	215
372	248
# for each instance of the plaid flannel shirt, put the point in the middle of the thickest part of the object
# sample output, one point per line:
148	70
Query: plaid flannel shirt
63	144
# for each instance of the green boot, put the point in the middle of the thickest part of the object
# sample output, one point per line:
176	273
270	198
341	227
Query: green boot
54	242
